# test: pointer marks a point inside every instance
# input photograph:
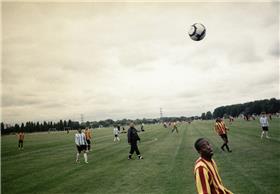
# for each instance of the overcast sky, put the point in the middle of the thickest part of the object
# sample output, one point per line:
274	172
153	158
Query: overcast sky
128	60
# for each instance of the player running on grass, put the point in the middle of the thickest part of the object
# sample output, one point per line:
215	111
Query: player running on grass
81	143
174	127
116	133
221	130
132	138
20	140
88	138
264	125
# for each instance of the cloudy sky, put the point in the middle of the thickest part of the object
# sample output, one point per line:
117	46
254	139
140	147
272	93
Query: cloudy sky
128	60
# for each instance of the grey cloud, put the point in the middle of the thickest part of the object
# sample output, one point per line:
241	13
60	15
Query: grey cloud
144	69
52	105
240	52
252	87
267	81
275	50
244	54
9	76
190	94
137	55
233	54
203	92
17	101
272	16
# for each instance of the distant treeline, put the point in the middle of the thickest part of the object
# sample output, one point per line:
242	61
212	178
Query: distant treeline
64	125
250	108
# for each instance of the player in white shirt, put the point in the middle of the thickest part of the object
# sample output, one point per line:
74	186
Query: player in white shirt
81	143
116	133
264	124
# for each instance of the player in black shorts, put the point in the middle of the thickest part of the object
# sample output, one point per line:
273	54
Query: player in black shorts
81	143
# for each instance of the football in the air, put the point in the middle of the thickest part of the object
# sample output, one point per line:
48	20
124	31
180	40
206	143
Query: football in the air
197	31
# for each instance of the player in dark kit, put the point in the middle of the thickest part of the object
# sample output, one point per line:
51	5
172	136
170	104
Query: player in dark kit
132	138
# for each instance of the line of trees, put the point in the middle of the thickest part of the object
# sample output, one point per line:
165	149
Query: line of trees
250	108
63	125
37	126
207	116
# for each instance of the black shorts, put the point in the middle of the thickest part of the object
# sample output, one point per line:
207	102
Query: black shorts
81	148
265	128
88	141
224	136
116	135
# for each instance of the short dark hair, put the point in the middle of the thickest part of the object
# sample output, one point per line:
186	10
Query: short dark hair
197	143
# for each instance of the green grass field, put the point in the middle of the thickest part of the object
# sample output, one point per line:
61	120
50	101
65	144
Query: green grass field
47	163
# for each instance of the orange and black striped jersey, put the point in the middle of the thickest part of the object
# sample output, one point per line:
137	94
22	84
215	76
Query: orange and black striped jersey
207	178
21	136
88	134
220	128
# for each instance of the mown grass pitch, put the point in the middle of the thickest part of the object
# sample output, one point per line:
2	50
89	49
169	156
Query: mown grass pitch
47	163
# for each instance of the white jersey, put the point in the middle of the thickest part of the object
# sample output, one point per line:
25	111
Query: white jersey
264	121
115	131
80	139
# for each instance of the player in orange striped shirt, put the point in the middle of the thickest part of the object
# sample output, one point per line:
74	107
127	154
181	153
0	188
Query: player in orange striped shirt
20	140
88	138
207	178
221	130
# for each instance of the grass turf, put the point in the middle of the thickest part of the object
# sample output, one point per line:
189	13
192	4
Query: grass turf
47	163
